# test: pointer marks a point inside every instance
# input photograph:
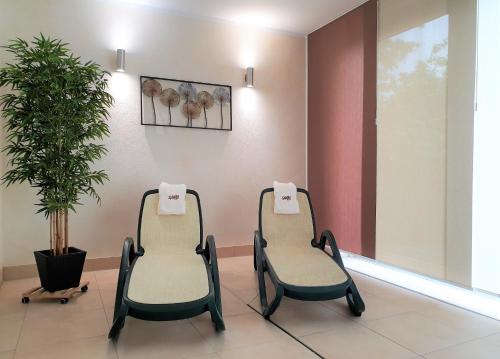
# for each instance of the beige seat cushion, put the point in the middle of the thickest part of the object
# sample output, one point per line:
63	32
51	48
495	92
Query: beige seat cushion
170	270
168	279
304	266
289	248
170	233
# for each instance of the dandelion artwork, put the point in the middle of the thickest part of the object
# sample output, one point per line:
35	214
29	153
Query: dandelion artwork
188	104
170	98
206	101
222	97
151	88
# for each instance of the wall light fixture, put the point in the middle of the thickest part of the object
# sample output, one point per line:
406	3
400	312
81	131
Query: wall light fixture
249	77
120	60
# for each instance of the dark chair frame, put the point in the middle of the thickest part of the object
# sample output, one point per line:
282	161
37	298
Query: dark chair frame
163	312
262	264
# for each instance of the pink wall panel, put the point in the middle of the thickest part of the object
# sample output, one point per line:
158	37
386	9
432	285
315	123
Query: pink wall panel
369	162
341	129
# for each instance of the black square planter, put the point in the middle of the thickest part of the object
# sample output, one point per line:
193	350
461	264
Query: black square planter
60	272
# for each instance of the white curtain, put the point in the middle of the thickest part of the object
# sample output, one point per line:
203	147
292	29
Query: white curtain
425	100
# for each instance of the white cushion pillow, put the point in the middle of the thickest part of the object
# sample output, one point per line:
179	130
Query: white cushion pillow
172	199
285	198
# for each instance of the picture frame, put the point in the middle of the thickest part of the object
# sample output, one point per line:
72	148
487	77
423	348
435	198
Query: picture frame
169	102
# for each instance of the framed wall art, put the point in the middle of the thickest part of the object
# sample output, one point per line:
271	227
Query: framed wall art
188	104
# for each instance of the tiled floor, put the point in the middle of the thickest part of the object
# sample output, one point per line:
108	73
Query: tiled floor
397	324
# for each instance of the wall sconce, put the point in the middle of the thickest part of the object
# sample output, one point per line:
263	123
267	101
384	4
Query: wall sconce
249	77
120	60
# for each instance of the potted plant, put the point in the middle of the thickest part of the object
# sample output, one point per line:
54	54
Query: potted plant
55	113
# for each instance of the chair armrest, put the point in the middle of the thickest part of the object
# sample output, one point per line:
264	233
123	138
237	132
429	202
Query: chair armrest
210	251
327	235
259	242
128	253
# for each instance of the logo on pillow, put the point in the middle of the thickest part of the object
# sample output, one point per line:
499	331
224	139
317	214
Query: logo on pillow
174	197
286	198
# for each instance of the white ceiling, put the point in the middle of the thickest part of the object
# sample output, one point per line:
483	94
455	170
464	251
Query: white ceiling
295	16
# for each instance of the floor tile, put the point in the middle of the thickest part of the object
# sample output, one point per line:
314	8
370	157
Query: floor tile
108	297
109	315
232	305
79	302
238	280
270	294
380	288
397	323
146	339
89	277
236	264
11	294
470	324
11	304
7	355
201	356
375	307
484	348
41	329
353	341
303	318
95	348
245	295
289	349
10	328
106	278
419	333
241	331
389	302
19	285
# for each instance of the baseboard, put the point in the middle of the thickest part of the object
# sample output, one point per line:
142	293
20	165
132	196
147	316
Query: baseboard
94	264
235	251
29	270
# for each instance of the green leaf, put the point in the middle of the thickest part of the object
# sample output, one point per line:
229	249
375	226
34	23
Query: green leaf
55	115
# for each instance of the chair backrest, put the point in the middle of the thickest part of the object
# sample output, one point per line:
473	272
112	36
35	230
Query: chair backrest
169	233
286	229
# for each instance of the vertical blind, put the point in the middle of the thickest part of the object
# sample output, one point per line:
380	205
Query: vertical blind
425	99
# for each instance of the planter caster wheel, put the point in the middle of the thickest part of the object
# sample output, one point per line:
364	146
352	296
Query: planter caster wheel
64	301
84	288
25	300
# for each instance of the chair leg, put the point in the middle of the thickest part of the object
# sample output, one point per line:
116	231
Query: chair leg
276	302
262	285
215	302
216	316
119	322
356	304
267	310
119	292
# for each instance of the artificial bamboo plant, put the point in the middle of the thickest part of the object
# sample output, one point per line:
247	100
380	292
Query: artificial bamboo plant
55	118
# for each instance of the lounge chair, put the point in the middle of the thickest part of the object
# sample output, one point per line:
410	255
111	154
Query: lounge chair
298	265
170	276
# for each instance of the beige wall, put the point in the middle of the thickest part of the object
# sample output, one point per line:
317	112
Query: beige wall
228	169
